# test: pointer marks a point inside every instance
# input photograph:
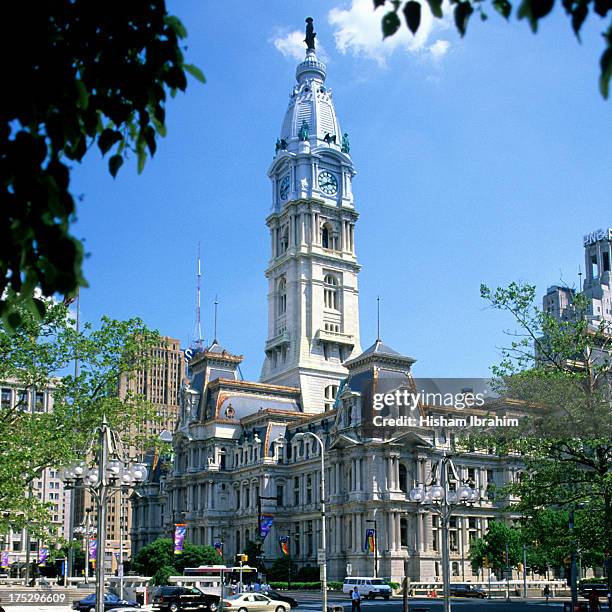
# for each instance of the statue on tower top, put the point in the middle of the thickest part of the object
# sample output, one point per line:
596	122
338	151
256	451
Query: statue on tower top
310	34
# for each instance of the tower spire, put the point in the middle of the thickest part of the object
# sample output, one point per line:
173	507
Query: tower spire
378	318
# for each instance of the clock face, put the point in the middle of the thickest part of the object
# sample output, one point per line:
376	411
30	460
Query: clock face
328	183
283	189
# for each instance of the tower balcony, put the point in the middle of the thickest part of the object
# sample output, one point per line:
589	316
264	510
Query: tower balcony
277	341
324	335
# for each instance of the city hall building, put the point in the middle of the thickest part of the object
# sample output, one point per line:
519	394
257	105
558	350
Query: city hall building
236	456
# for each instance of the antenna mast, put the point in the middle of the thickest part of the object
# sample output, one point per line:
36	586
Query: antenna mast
198	330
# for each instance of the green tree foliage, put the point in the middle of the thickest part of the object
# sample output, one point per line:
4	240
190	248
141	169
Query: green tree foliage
490	551
160	554
31	358
559	372
78	76
162	575
531	10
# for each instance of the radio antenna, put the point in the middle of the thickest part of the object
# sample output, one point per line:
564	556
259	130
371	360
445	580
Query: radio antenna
198	329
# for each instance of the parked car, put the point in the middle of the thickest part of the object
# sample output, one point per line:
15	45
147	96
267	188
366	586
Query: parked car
367	586
467	590
586	588
111	602
174	598
254	602
280	597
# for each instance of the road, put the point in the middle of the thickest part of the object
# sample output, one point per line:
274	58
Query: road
312	602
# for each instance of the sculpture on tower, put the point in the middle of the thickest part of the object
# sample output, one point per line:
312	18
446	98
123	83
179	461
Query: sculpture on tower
310	34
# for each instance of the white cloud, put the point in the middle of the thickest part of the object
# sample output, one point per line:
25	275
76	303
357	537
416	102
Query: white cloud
357	30
439	49
291	44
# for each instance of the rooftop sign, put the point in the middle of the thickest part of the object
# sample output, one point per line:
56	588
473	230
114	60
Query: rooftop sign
597	235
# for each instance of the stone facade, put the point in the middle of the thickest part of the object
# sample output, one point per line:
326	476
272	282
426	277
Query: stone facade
229	466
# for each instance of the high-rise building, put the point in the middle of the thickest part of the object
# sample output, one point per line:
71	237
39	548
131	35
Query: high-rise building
47	487
597	283
159	383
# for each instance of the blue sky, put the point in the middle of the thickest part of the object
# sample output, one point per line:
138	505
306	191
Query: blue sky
479	160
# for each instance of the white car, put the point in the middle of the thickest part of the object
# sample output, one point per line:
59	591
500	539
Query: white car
256	602
367	586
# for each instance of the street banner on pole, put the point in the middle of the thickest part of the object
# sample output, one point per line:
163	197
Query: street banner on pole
180	529
266	525
93	548
219	548
43	554
4	560
370	543
284	545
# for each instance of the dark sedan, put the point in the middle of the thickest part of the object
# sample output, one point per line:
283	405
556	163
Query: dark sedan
280	597
111	601
467	590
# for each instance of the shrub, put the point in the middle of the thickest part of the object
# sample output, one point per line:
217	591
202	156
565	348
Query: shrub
162	574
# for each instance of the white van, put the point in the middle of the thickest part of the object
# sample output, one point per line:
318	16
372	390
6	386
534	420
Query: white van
368	587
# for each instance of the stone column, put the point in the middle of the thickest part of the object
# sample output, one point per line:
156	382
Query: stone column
358	474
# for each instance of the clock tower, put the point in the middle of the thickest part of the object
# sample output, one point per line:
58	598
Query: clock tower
313	307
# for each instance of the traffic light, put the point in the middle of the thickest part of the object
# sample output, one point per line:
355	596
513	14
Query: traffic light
485	562
242	558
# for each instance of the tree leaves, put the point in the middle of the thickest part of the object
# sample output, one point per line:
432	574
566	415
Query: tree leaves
390	24
195	72
114	163
85	78
412	14
462	14
503	7
532	10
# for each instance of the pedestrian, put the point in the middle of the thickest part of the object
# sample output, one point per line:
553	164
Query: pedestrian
355	600
257	587
546	592
594	601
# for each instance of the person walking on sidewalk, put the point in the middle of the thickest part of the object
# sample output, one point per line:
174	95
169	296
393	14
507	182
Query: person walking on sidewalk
355	600
546	592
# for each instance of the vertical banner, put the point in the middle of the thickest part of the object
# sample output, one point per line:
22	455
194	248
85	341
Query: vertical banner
4	559
43	554
284	545
265	525
219	548
93	549
370	541
180	529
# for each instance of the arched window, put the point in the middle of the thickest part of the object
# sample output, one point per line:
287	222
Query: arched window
330	292
331	391
237	541
282	296
247	537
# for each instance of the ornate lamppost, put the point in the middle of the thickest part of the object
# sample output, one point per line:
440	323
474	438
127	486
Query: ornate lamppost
109	472
442	494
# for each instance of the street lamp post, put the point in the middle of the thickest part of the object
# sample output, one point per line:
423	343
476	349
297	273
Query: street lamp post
438	495
301	436
86	530
112	472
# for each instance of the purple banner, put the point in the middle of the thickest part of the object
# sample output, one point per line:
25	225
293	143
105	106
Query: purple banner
4	560
180	529
43	554
93	548
265	525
